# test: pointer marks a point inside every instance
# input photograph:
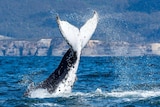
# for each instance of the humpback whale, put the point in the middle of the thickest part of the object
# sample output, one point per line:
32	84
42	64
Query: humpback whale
64	77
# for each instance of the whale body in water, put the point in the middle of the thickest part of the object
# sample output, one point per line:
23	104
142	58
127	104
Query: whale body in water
64	77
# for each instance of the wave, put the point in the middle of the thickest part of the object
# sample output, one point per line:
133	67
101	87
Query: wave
47	105
135	94
127	95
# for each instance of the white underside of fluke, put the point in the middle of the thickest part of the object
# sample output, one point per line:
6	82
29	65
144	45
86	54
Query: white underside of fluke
78	38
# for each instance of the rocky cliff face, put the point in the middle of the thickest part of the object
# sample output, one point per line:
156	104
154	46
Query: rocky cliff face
44	47
57	47
24	48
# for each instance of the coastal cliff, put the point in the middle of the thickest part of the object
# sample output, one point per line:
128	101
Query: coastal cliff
57	47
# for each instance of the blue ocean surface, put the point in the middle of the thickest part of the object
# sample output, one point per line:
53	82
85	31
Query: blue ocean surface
102	82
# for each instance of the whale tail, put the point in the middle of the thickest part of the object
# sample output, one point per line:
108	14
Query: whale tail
78	38
64	76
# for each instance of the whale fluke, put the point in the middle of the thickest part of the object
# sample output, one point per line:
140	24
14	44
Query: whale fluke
78	37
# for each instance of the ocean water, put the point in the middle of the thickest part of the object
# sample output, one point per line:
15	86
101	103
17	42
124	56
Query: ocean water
102	82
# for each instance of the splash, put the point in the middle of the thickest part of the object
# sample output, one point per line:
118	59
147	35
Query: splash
142	94
118	96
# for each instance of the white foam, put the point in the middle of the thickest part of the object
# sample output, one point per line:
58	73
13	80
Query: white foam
39	93
137	94
2	37
127	95
48	105
43	93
